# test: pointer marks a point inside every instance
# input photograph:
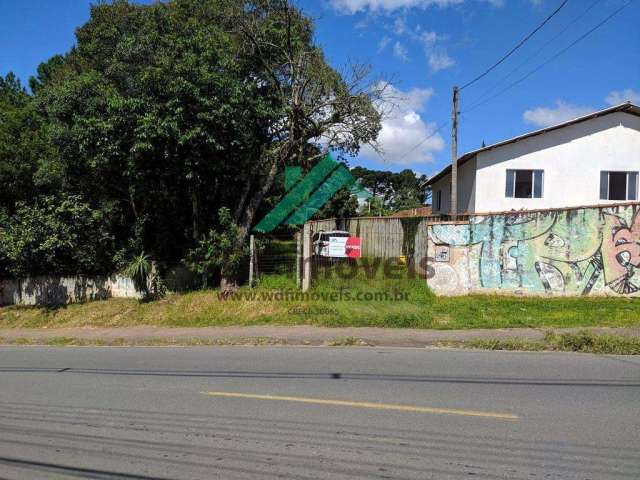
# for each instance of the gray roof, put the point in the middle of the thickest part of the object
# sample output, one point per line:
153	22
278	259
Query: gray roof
627	107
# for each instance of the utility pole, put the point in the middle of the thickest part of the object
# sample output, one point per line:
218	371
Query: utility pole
299	259
252	256
306	257
454	154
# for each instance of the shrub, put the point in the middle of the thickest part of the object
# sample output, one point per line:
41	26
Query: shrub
138	271
145	279
55	235
220	252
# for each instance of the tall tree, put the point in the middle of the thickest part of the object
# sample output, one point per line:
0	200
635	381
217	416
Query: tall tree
153	111
28	161
321	109
165	113
394	191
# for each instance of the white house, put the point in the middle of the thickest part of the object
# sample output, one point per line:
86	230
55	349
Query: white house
590	160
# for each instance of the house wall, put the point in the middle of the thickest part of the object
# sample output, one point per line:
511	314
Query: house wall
586	251
466	190
571	157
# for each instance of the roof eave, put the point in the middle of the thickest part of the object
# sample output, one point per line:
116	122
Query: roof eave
623	107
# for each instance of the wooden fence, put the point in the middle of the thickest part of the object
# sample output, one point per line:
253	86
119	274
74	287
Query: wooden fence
385	237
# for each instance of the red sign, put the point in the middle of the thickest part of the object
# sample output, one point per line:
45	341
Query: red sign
352	247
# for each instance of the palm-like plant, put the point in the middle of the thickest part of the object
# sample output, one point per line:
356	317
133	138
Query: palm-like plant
138	271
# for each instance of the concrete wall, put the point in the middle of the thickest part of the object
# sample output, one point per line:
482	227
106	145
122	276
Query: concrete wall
64	290
55	290
571	157
584	251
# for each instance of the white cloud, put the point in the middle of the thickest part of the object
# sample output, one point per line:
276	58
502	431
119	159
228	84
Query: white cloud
439	60
428	39
399	26
403	129
620	96
414	99
354	6
383	43
399	51
547	116
437	56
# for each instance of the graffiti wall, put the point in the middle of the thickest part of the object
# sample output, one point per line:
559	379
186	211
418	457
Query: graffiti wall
585	251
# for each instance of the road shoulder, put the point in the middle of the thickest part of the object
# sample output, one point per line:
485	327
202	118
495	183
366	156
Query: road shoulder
301	335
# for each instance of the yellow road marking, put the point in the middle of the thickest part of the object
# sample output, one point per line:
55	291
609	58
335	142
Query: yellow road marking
378	406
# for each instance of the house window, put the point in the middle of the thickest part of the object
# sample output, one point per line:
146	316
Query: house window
618	185
525	183
438	200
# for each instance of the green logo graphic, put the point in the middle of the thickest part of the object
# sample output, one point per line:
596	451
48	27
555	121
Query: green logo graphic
306	195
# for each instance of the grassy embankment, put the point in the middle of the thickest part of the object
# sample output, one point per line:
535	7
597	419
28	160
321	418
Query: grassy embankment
421	309
583	341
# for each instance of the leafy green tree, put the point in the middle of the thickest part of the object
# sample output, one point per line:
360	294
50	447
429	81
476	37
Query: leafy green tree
163	113
55	235
378	182
343	204
28	162
321	109
409	190
392	191
45	73
151	112
218	252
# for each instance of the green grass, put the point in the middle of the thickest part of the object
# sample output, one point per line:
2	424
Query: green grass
585	342
137	342
277	281
422	309
345	342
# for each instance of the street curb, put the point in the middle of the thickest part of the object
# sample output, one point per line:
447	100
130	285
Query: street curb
282	335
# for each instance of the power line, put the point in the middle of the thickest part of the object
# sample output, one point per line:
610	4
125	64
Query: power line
522	42
535	70
552	58
536	53
431	135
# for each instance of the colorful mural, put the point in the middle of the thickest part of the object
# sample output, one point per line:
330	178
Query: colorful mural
564	252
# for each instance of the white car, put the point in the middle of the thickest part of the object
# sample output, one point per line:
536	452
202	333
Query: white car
330	244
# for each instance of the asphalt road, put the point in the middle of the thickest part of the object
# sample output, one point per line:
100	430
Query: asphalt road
307	413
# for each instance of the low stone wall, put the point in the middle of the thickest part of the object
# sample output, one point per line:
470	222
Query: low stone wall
56	290
580	251
51	290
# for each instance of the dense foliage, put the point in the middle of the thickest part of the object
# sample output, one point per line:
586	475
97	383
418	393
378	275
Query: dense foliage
160	116
55	235
217	251
390	193
393	192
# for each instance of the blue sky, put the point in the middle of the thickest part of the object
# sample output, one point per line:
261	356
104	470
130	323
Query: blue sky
424	47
